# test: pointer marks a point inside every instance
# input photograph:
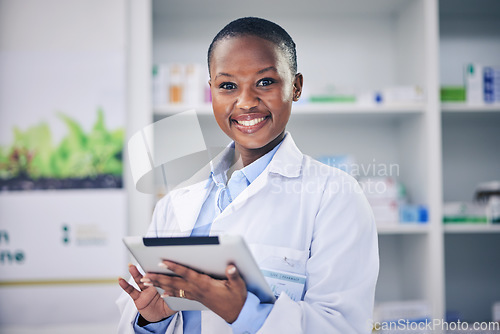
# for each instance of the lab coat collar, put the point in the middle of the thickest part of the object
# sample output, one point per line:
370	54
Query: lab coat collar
187	201
188	198
288	159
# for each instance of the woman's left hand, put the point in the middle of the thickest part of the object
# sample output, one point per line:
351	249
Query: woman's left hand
225	297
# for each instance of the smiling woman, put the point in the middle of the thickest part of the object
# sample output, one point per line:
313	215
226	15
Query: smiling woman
252	87
317	249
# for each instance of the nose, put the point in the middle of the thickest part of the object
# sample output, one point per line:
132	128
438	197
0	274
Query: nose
247	99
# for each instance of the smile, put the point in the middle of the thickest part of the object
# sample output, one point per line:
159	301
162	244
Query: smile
251	122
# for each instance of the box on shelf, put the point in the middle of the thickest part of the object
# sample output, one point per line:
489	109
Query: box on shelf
384	195
403	94
391	96
387	198
413	213
332	94
493	210
453	94
491	84
176	83
369	98
464	212
488	194
473	77
482	85
159	85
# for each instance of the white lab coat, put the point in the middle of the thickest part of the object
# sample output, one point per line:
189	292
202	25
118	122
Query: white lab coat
300	216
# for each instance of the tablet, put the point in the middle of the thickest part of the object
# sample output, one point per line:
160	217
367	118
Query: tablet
209	255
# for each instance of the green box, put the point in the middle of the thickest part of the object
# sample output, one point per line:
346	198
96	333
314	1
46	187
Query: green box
453	94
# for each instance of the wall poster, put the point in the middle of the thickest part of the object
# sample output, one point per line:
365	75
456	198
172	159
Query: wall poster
62	201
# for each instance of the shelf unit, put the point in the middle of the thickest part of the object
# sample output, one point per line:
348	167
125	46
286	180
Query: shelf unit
368	45
469	32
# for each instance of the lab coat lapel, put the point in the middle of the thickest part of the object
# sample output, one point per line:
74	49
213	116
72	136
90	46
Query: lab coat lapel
187	205
288	159
191	194
287	162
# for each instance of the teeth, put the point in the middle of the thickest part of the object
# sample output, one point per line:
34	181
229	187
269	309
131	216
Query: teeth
251	122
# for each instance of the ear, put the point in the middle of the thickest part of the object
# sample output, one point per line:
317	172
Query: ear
297	86
210	83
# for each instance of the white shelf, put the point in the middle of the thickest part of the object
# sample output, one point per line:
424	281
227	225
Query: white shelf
471	228
313	108
464	107
407	228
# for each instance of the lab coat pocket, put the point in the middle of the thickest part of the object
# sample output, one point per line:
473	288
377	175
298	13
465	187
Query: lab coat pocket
283	269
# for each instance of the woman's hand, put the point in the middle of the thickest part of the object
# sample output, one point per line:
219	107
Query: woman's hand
147	300
224	297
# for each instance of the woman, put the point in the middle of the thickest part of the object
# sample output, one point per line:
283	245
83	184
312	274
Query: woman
298	216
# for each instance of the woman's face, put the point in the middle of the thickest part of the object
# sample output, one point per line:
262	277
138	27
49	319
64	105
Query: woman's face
252	91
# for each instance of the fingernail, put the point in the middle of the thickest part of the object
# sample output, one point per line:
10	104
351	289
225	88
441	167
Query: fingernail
163	295
147	284
145	280
231	270
163	265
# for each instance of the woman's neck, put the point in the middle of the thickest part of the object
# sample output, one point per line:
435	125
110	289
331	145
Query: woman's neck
248	156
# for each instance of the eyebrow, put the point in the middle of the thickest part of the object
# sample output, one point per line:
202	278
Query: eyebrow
270	68
222	74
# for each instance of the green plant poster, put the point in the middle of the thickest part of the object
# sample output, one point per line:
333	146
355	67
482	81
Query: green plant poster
81	159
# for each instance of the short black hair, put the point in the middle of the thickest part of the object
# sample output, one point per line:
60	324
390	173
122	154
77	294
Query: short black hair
262	28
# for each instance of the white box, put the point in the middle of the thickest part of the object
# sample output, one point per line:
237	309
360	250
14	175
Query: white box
474	88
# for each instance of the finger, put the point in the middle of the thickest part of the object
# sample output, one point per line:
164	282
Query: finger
170	284
178	269
128	288
234	278
137	276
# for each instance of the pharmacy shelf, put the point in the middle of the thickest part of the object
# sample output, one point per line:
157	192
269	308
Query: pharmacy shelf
471	228
403	229
464	107
368	45
469	32
313	108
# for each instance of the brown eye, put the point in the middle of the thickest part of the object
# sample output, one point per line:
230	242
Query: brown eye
265	82
227	85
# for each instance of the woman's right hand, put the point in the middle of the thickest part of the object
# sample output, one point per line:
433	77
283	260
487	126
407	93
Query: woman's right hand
147	299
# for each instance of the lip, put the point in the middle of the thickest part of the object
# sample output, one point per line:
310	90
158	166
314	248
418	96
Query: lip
249	129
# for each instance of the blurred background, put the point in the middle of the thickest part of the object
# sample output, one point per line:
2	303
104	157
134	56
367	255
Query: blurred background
402	94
